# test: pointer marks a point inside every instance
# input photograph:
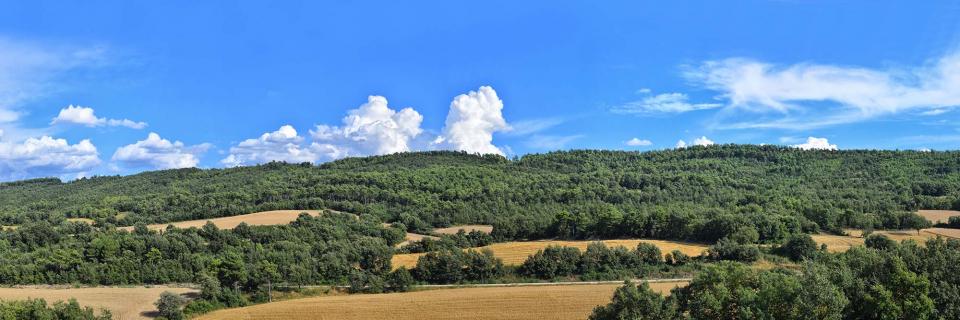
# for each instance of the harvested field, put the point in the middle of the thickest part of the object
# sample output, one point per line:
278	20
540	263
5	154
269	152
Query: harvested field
540	302
514	253
124	303
466	228
855	237
938	215
84	220
265	218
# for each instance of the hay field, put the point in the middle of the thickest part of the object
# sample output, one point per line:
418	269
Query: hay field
124	303
938	215
265	218
466	228
854	237
537	302
514	253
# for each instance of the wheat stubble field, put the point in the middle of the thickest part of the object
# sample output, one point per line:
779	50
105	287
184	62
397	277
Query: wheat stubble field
514	253
125	303
265	218
506	303
936	216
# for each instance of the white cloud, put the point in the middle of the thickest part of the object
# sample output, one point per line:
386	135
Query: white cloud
637	142
664	103
85	116
46	156
159	153
280	145
702	141
371	129
815	95
814	143
681	144
934	112
471	122
924	150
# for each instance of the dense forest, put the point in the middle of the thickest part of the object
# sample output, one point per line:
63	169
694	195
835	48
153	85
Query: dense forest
883	280
698	193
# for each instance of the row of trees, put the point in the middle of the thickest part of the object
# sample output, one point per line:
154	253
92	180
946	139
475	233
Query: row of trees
38	309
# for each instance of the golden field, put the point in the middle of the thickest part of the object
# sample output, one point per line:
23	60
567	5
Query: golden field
124	303
265	218
466	228
514	253
559	302
854	237
936	216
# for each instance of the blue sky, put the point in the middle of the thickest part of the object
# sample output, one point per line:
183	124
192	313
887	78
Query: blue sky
171	84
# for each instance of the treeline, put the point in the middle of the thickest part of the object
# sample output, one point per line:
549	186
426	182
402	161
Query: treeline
884	280
38	309
232	266
698	193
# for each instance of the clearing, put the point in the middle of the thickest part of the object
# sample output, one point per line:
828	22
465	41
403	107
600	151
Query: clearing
837	243
265	218
466	228
125	303
514	253
525	302
936	216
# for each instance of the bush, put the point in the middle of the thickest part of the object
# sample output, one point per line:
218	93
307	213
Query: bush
879	242
635	303
169	304
399	280
649	253
552	262
799	247
727	249
677	258
38	309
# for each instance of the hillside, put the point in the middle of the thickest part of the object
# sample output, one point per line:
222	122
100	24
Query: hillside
574	194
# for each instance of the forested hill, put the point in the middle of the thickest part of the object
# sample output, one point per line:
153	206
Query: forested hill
697	193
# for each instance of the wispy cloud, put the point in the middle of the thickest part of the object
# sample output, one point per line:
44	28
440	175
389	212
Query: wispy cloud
662	103
804	96
550	142
531	126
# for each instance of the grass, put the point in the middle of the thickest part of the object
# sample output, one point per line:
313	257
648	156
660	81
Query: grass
124	303
514	253
541	302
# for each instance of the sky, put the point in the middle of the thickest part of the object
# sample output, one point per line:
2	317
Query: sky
119	87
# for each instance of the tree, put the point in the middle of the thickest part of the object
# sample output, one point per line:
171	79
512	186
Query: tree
649	253
799	247
169	304
636	303
399	280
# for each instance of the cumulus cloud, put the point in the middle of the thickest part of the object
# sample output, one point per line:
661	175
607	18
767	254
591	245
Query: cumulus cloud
159	153
815	95
702	141
663	103
371	129
85	116
637	142
281	145
46	156
681	144
814	143
471	122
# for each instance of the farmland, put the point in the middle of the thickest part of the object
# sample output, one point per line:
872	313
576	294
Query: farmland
465	228
854	237
937	216
125	303
265	218
539	302
514	253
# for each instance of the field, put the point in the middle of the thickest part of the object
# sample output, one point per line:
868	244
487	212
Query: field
837	243
264	218
514	253
125	303
938	215
522	302
465	228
